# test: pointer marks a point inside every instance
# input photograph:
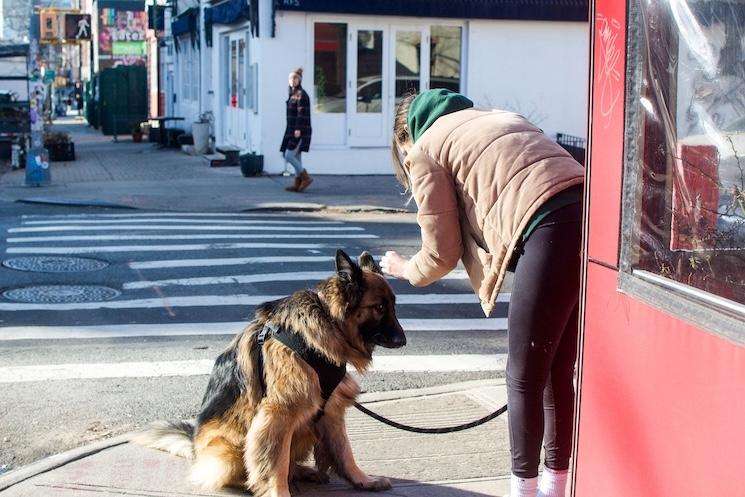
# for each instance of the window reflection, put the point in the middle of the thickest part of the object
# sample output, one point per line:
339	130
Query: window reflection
690	206
330	66
369	71
445	49
408	67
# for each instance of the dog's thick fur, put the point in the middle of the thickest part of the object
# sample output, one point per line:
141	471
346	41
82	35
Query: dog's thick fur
258	440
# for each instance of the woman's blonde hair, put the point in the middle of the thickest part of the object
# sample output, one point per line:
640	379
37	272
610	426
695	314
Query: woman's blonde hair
400	136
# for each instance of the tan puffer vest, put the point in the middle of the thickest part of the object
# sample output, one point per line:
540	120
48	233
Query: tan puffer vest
477	178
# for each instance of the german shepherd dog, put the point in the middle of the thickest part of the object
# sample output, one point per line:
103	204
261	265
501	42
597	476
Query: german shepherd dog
265	409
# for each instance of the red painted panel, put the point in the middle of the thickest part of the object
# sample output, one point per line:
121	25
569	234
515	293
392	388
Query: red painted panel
609	38
663	403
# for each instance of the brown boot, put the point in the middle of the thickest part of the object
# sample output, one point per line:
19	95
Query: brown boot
305	181
293	187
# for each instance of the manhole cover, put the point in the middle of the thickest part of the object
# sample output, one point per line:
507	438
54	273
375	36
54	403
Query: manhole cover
54	264
61	294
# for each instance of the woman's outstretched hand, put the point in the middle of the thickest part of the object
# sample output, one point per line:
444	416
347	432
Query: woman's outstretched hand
394	264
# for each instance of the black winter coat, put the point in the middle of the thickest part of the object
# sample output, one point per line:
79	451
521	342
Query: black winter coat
298	117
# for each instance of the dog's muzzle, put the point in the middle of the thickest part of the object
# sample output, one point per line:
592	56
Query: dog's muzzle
393	340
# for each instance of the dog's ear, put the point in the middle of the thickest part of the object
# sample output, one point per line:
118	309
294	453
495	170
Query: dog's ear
367	262
346	268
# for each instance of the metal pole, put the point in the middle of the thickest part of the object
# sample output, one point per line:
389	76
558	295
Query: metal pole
37	158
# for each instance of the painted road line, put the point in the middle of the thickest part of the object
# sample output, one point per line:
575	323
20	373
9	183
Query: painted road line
247	278
131	227
162	214
223	300
230	261
153	219
227	261
381	364
212	236
203	329
158	248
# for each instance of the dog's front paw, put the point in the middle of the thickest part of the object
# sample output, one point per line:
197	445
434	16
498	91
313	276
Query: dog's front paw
304	473
374	484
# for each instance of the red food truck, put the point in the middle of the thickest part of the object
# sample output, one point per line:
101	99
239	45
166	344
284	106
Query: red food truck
661	382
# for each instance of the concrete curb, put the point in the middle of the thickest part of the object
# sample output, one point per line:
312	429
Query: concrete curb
393	395
53	462
50	463
269	207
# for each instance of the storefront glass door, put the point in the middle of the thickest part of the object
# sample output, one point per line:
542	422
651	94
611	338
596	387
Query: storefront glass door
234	57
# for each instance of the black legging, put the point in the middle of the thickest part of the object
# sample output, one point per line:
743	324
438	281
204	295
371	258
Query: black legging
542	343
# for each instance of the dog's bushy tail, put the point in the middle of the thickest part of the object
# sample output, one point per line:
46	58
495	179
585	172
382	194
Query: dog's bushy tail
173	437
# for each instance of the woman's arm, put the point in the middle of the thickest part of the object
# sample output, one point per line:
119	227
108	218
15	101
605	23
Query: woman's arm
439	220
302	122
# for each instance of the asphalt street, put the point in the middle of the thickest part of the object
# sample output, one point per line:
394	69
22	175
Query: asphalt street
86	355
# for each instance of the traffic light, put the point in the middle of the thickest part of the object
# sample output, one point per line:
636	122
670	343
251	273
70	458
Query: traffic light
49	25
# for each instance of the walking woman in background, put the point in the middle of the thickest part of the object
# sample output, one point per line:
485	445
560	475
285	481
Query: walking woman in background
298	130
493	191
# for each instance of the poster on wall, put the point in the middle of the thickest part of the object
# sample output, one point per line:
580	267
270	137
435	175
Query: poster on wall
121	38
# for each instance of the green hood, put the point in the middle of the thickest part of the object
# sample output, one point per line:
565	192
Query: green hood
430	105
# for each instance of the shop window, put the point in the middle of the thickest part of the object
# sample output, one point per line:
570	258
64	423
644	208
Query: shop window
684	209
330	66
189	65
408	68
369	71
233	94
241	73
444	58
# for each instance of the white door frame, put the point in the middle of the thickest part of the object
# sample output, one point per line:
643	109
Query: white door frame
368	129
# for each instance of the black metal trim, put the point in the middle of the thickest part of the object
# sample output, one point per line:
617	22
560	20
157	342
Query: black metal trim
534	10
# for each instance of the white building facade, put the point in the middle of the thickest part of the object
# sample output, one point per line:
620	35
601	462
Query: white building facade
360	58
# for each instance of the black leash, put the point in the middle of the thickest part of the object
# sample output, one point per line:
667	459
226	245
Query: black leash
414	429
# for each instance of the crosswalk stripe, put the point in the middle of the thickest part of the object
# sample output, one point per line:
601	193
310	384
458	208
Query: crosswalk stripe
224	300
249	278
131	227
164	214
256	278
12	333
381	364
228	261
300	224
158	248
214	236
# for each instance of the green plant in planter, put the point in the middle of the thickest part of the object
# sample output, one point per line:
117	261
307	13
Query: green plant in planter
56	138
137	132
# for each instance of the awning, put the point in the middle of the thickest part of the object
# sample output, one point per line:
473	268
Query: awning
186	23
536	10
122	4
227	12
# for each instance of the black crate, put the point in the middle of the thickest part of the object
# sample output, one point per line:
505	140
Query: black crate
252	165
61	152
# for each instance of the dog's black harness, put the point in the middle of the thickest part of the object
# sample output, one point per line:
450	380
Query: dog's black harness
329	374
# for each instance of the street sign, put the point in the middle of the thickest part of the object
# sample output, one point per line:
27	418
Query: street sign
77	27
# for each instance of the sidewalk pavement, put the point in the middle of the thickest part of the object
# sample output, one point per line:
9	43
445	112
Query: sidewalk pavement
470	463
141	176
